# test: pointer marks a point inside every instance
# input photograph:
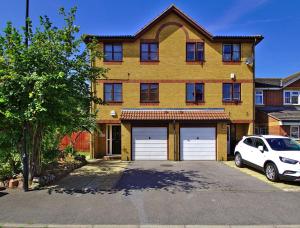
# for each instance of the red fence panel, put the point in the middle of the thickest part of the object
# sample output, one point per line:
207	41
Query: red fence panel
81	139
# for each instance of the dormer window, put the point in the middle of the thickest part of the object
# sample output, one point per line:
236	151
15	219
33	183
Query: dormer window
231	52
149	51
113	52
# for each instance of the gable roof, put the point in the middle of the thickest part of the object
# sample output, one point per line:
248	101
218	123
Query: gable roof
173	9
276	82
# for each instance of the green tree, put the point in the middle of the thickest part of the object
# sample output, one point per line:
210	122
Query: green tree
46	85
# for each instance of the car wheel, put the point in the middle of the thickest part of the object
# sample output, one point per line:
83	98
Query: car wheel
238	160
271	172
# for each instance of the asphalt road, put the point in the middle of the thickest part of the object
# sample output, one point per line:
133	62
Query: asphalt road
161	193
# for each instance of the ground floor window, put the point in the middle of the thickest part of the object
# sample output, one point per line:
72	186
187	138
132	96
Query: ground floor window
294	132
261	130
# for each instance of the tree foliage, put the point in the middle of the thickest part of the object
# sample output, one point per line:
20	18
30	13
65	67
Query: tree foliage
45	86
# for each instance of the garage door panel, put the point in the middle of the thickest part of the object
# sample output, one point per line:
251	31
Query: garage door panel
149	143
198	143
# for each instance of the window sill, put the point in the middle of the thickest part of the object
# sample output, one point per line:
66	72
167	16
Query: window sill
149	103
195	62
195	103
113	62
232	62
149	62
232	102
113	103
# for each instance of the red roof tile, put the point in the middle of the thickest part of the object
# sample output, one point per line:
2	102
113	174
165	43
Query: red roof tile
173	115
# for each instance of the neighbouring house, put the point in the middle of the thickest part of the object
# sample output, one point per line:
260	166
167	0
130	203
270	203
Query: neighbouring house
174	91
277	103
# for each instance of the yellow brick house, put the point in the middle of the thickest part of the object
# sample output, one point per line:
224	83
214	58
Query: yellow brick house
174	91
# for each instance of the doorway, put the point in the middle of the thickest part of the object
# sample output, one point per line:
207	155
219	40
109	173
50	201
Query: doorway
113	139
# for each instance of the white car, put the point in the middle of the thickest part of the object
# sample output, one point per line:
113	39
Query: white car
277	156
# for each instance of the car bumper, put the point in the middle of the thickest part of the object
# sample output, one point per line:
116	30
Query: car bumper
290	176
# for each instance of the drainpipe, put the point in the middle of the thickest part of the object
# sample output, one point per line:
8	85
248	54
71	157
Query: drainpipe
174	128
253	53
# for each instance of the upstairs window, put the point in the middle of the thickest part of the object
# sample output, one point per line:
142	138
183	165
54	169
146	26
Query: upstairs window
259	97
149	51
291	97
113	52
149	93
231	92
195	51
231	52
113	92
194	92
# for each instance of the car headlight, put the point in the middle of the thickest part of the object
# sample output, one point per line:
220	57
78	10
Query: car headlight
288	160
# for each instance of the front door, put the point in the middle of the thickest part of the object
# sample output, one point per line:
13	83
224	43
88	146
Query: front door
116	139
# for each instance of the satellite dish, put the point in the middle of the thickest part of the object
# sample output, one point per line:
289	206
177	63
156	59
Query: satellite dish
249	61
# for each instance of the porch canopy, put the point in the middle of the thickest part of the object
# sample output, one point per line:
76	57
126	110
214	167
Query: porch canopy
174	114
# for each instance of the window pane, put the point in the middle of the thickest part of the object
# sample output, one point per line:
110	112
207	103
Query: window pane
144	56
227	57
249	141
117	96
118	88
144	47
236	56
236	91
227	48
199	92
294	99
153	56
117	48
190	47
153	47
190	56
190	96
117	56
108	97
108	47
108	56
108	89
258	99
200	55
287	96
226	91
236	47
144	87
153	87
200	46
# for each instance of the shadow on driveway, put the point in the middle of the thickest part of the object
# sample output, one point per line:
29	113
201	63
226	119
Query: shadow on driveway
167	180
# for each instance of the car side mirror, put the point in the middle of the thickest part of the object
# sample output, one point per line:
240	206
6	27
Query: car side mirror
261	148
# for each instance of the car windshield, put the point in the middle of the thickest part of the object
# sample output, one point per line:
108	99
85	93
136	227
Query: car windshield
283	144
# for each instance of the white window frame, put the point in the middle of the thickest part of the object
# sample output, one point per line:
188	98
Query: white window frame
262	97
108	137
294	126
291	92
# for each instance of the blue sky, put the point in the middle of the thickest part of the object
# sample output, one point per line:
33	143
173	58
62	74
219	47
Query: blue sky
278	55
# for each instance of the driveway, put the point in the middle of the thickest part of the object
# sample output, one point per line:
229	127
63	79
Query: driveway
161	193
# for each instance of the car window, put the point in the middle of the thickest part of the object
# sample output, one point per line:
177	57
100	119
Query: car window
249	141
283	144
259	142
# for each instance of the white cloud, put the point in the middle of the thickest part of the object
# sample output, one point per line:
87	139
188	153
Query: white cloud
233	14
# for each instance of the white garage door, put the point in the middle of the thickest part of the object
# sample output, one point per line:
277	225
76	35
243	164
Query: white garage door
149	143
198	143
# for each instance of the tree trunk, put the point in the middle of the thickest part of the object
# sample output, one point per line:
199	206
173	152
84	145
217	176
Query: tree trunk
35	151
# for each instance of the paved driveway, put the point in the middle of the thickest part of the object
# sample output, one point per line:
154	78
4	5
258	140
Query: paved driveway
161	193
